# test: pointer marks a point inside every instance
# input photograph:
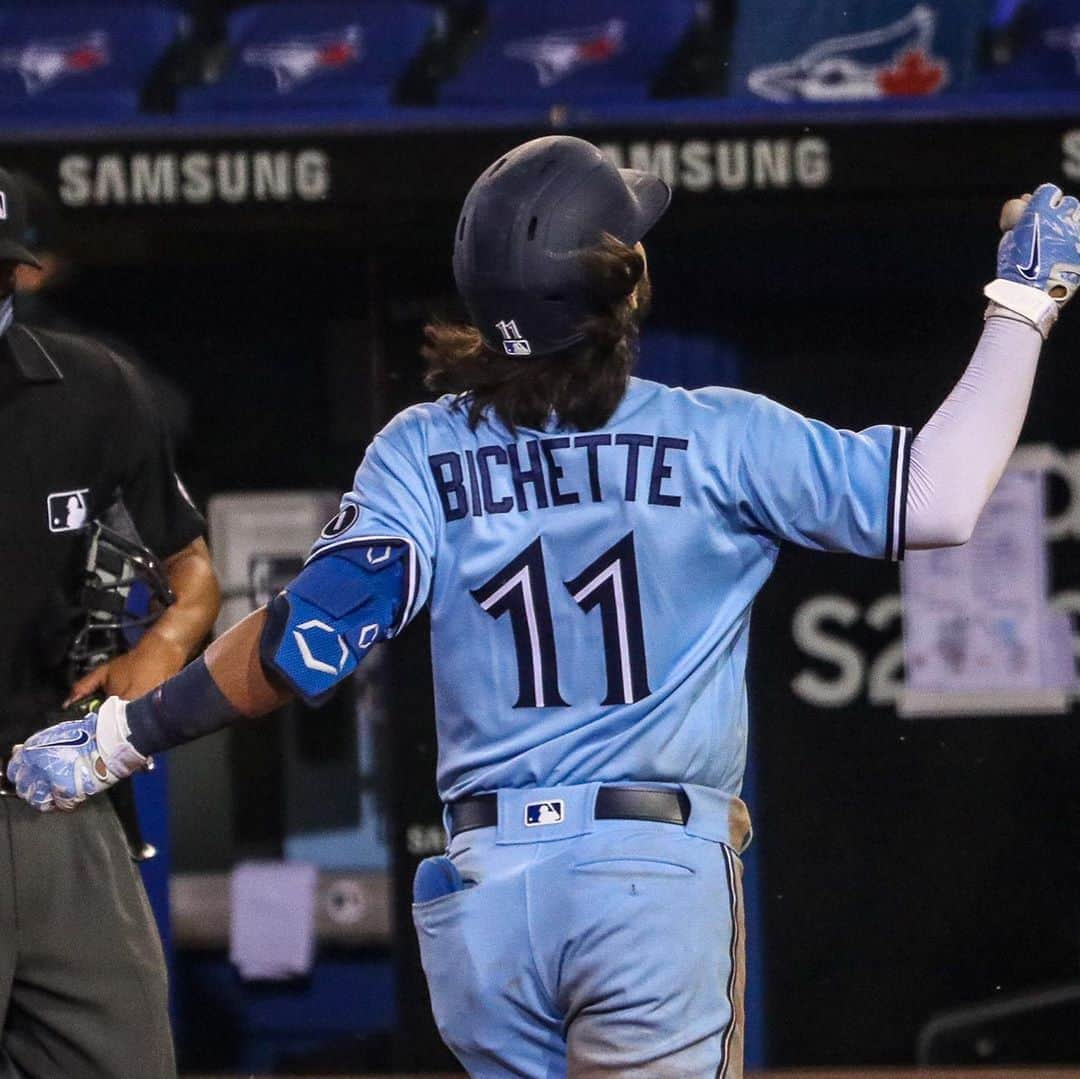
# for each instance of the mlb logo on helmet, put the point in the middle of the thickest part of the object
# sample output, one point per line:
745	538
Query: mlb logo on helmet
537	813
513	343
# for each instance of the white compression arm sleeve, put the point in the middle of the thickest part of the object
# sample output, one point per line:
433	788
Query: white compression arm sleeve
959	456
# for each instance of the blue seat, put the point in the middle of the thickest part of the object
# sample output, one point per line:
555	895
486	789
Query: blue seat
315	56
1045	40
811	51
549	52
1004	12
81	62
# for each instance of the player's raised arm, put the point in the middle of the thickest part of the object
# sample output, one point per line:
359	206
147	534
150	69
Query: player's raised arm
961	453
878	491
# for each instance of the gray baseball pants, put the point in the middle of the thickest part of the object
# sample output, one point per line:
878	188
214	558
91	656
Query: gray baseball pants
83	985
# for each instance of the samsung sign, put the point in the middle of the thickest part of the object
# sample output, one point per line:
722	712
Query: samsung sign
742	164
194	178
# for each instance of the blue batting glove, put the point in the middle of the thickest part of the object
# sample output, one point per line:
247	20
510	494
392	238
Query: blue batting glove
1042	250
1038	258
65	764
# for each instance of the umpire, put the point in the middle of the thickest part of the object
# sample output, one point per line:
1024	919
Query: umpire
83	989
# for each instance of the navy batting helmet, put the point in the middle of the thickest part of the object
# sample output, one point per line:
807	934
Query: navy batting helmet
525	223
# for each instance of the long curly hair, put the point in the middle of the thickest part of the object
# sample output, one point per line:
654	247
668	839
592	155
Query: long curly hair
579	387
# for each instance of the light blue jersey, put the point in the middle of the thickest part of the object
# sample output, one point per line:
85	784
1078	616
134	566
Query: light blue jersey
590	592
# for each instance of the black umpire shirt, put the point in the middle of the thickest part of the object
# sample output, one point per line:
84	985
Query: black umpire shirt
78	430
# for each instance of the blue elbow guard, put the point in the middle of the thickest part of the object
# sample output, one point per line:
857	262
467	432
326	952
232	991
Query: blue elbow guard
320	628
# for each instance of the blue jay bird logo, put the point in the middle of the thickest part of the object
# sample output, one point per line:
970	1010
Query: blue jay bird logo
300	59
893	60
559	54
42	63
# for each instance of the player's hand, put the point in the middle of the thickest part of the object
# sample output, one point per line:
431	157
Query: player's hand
1038	257
65	764
1041	245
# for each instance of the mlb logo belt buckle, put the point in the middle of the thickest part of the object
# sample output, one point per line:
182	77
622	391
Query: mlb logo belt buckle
664	806
537	814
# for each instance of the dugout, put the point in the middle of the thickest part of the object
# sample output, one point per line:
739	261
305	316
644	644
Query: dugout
279	280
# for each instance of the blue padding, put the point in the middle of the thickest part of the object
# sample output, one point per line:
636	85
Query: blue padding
345	578
550	51
1046	50
326	621
288	57
90	60
805	50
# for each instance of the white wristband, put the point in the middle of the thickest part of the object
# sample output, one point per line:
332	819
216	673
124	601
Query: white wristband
120	756
1022	302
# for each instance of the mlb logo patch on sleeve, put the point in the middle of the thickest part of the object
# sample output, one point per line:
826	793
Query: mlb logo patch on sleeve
67	510
537	813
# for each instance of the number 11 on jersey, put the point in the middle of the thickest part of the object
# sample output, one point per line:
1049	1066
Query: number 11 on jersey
610	583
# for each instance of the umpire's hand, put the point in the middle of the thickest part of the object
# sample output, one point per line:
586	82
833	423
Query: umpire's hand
134	673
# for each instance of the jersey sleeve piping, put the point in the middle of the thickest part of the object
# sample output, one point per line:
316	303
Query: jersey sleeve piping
412	570
899	468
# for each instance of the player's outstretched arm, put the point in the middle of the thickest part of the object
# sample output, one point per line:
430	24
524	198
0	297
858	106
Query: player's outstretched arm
958	458
311	636
63	765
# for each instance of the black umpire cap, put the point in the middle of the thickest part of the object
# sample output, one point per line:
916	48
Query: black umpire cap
525	222
14	223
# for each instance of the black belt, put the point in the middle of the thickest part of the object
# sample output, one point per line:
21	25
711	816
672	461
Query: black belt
612	803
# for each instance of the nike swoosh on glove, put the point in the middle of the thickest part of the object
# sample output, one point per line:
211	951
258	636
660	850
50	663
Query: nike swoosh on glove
1038	258
63	765
1042	250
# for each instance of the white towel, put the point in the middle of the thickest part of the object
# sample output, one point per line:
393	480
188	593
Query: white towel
272	929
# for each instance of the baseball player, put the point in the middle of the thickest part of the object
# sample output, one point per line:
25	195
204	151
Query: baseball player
590	546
